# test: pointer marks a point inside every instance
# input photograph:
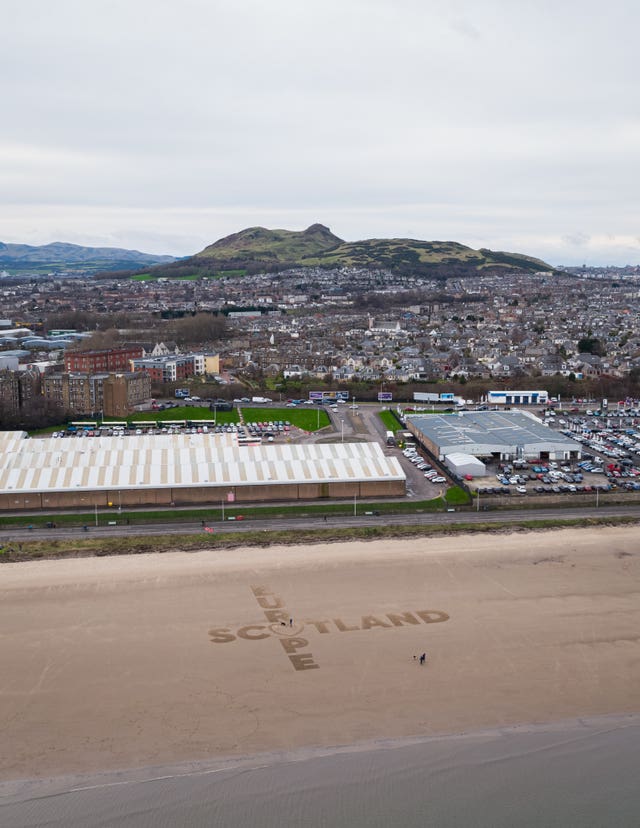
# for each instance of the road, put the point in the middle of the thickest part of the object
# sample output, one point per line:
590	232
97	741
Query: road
335	521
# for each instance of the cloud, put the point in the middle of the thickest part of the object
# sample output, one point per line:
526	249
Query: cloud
441	115
576	239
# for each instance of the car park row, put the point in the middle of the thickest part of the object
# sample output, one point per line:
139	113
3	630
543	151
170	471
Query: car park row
419	462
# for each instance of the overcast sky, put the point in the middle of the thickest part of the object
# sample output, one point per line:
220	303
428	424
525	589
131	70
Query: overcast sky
164	125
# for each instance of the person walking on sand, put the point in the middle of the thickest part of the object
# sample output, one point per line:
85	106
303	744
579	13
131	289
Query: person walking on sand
423	658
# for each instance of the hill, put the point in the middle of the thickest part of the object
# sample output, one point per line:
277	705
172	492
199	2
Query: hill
258	249
272	246
61	257
434	258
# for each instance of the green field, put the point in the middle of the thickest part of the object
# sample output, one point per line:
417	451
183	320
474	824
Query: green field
391	422
307	420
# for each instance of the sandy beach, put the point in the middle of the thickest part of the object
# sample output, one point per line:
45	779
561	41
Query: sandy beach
147	660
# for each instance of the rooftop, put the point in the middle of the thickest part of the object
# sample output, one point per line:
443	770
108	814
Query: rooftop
181	460
485	432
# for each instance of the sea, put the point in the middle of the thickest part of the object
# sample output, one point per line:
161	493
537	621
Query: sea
583	773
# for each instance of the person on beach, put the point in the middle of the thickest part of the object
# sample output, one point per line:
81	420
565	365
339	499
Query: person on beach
423	658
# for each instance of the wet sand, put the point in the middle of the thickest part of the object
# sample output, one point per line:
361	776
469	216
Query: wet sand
148	660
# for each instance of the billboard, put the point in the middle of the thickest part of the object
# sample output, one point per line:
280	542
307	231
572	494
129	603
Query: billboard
328	396
385	396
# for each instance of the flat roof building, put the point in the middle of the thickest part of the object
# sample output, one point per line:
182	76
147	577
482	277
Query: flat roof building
186	468
504	435
517	398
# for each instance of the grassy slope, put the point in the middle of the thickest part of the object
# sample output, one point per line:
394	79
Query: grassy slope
395	253
258	243
317	246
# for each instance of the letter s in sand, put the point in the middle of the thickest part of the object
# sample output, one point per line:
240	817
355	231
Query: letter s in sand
220	635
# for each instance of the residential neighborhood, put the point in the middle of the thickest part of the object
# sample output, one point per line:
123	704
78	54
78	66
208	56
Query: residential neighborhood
312	325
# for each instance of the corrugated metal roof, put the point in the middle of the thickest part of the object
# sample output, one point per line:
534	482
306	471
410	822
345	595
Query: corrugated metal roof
180	460
484	432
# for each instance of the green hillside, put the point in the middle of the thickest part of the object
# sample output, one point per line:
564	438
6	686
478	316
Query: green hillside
259	249
406	255
260	244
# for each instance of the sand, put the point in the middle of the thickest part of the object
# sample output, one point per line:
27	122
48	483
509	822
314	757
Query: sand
147	660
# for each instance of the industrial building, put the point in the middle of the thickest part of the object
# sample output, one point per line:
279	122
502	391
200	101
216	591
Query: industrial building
518	398
501	435
175	469
462	464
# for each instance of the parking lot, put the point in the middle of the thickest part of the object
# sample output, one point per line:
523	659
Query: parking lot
425	478
268	430
610	446
552	478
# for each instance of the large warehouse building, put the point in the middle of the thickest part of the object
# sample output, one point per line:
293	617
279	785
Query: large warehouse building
185	468
501	435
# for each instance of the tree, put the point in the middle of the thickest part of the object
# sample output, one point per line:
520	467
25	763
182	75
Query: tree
200	328
591	345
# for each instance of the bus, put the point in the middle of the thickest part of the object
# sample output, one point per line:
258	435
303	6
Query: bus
391	438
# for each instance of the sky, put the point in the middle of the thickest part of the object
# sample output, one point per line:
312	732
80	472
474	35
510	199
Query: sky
164	125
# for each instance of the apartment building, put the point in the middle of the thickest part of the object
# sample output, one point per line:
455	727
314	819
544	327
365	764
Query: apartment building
108	360
113	395
170	368
17	390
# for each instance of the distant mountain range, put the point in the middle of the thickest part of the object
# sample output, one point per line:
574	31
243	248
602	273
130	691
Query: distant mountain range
58	257
259	249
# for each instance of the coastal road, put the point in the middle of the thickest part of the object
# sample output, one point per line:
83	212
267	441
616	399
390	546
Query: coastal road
18	535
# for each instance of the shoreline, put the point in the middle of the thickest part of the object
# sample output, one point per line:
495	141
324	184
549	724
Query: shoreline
170	659
20	790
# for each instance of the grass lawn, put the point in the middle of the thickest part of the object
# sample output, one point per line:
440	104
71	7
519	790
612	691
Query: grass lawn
391	422
456	496
304	418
